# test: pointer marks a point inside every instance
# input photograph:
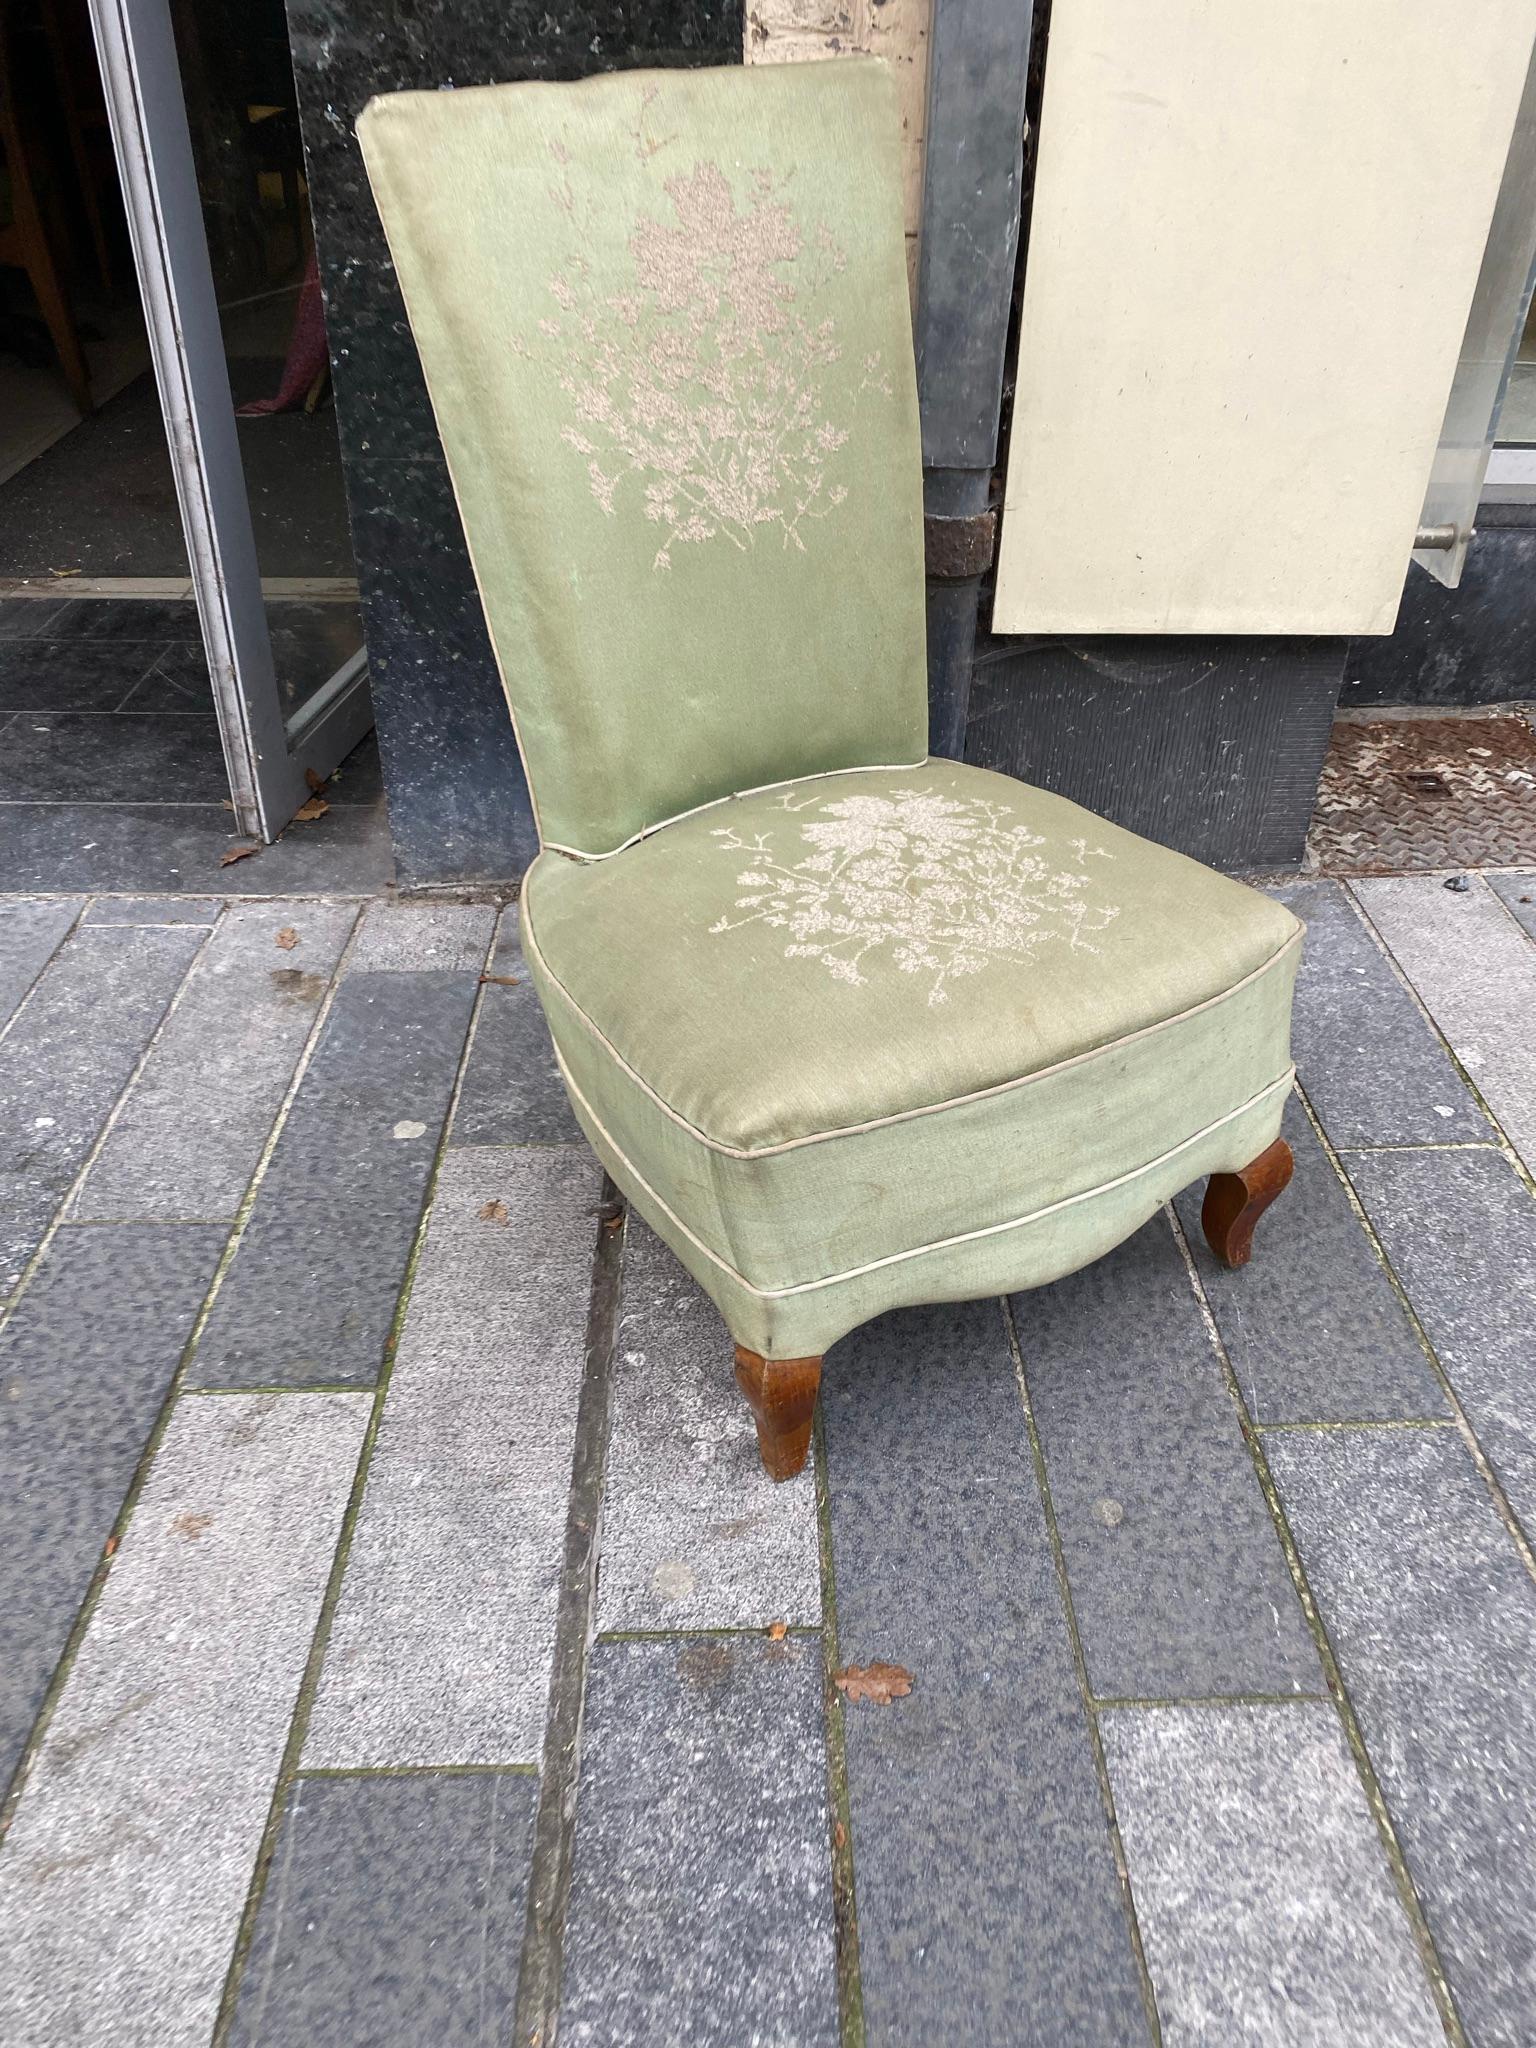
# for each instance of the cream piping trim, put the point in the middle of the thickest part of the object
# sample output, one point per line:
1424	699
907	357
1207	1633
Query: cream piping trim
757	789
899	1116
918	1251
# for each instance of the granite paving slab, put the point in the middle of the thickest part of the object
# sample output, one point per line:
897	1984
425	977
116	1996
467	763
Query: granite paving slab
126	1868
392	1915
440	1650
1476	974
85	1363
989	1909
311	1293
191	1129
701	1896
1517	892
451	937
695	1533
152	910
66	1060
1372	1068
1433	1620
512	1092
1262	1890
31	931
1177	1575
1460	1230
1312	1325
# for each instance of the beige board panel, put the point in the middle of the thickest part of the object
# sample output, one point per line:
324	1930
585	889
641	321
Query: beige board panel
1255	237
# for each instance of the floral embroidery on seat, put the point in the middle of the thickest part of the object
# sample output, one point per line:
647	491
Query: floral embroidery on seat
949	886
704	382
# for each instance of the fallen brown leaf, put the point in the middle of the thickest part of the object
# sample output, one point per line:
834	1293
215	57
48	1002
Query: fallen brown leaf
839	1836
233	853
316	782
877	1683
287	938
109	1546
501	980
494	1212
777	1631
192	1526
312	808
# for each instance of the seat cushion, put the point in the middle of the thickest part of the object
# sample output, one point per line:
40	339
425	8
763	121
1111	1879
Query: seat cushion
850	1018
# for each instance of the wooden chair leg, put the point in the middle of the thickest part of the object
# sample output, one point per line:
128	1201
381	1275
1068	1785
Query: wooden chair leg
1234	1202
781	1392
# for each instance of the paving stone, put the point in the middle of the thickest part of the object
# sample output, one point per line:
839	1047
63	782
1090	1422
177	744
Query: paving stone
192	1128
1372	1067
440	1650
126	1868
312	1290
1433	1620
85	1363
1460	1230
695	1533
1476	975
1264	1899
407	937
512	1093
30	932
701	1898
153	910
987	1895
66	1060
1179	1582
1517	892
393	1913
1312	1325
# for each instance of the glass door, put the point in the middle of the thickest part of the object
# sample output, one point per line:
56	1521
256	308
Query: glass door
285	654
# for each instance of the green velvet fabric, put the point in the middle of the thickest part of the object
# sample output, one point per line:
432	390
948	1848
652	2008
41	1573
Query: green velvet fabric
851	1027
850	1039
664	323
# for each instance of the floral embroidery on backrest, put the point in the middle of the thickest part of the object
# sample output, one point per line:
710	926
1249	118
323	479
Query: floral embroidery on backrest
699	392
949	886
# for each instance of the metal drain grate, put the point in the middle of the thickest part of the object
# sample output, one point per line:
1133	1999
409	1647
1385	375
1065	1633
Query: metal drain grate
1403	794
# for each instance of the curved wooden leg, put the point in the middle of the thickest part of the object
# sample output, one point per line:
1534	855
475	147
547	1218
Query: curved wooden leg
1234	1202
781	1392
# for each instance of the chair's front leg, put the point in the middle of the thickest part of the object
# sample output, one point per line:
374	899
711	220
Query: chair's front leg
1234	1202
781	1393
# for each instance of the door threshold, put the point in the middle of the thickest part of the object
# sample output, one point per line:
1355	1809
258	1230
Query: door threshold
308	589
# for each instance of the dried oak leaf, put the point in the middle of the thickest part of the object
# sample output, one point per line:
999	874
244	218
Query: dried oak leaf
287	938
877	1683
312	808
777	1631
494	1212
233	853
316	782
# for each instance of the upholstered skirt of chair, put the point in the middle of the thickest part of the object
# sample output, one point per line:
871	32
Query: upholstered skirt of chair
908	1034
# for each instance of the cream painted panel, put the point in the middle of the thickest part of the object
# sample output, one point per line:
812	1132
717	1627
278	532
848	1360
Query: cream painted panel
1256	231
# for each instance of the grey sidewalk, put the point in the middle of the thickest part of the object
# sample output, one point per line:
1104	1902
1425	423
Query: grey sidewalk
1216	1590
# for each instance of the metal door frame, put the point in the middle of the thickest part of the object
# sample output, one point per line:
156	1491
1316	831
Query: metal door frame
269	762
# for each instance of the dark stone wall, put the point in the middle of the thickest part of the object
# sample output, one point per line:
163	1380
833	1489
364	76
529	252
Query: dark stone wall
458	803
1211	746
1472	645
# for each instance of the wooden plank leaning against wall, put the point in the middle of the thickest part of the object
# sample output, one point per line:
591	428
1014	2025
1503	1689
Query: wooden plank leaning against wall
798	31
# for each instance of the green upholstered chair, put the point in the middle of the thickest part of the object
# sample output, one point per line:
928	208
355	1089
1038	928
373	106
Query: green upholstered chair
851	1027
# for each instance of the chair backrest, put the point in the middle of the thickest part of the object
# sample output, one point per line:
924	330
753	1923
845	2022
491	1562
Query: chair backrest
664	322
